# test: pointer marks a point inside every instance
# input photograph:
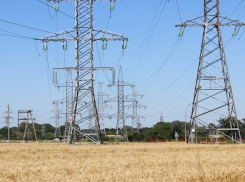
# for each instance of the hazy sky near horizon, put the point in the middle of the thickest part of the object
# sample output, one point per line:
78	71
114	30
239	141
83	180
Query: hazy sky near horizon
26	77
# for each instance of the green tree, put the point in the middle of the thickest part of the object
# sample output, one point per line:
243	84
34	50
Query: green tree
49	136
179	127
1	137
161	130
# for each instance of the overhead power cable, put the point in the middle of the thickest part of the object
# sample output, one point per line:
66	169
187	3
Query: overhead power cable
162	65
50	13
145	36
173	100
15	34
58	11
178	11
180	76
148	40
24	26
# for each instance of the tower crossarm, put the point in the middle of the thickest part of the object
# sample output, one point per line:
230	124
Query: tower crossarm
124	84
138	106
200	22
68	36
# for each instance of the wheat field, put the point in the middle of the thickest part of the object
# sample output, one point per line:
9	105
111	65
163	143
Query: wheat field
122	162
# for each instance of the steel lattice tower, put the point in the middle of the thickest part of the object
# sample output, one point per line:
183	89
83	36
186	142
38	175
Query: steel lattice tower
43	129
121	116
213	92
161	118
135	97
69	100
84	34
57	118
101	107
7	120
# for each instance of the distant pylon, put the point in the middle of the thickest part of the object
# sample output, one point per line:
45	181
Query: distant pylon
43	129
69	101
7	120
161	118
101	106
134	98
213	97
57	117
121	124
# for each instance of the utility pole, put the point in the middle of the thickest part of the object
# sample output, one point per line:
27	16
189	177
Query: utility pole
7	120
213	95
121	125
57	117
84	34
135	97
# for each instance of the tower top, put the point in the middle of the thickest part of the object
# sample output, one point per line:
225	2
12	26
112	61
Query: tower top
161	118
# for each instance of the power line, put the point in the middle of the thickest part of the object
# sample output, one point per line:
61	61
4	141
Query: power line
145	36
50	13
24	26
148	41
58	11
169	55
180	76
173	100
17	35
162	66
178	11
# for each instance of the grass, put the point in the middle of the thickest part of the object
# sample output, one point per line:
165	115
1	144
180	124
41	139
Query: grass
124	162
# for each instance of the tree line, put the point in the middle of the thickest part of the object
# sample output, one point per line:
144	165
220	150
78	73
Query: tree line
159	131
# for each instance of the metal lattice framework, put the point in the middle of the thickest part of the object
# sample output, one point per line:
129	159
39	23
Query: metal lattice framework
84	34
101	106
121	116
213	92
26	115
135	97
43	129
69	100
57	117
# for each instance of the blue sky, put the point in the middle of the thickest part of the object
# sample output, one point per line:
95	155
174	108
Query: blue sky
25	81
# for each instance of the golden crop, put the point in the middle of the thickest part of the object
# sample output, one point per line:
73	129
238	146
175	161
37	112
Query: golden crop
122	162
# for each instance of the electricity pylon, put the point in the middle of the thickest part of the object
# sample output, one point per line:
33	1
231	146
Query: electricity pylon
69	101
161	118
121	125
26	119
69	97
135	97
101	106
7	119
57	117
213	92
43	129
84	34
